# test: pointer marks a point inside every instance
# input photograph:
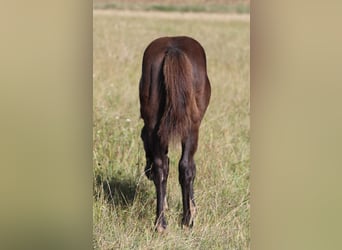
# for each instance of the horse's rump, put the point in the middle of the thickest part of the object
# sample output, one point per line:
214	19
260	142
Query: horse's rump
173	74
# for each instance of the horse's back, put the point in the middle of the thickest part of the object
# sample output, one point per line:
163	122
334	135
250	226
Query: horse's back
192	48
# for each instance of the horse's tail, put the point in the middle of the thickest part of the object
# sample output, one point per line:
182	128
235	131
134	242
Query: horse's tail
180	108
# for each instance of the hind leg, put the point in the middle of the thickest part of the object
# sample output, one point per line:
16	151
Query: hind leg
187	173
160	171
157	170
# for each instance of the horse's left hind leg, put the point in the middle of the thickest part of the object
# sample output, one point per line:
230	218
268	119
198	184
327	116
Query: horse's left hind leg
187	173
157	170
160	175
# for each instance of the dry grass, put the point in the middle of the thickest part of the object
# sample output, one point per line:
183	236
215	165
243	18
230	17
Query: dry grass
124	200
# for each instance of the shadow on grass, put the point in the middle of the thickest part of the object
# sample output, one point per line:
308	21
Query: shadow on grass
118	190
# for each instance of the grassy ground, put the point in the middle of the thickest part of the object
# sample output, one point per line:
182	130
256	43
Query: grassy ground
124	200
223	6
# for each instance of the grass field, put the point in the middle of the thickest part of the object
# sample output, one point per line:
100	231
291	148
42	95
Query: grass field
124	200
222	6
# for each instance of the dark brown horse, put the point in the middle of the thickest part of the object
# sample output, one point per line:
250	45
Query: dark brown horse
174	94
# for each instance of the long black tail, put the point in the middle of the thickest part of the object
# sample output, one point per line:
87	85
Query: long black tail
180	108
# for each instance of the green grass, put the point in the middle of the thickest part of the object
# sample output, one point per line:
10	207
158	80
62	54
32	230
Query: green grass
124	200
242	6
236	8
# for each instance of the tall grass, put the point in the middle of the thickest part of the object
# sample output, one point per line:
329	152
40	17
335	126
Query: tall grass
124	200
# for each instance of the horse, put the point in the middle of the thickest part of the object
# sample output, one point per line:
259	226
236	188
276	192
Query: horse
174	93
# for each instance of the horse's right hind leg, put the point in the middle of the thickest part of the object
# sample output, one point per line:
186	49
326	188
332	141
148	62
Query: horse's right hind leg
187	173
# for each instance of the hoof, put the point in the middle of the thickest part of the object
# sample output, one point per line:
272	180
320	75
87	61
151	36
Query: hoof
187	227
160	229
160	225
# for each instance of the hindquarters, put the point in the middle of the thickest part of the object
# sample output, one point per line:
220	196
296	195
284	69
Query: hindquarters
174	87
